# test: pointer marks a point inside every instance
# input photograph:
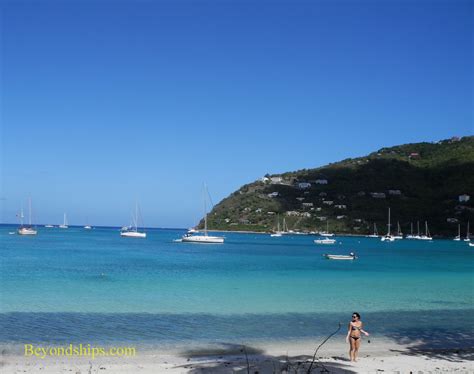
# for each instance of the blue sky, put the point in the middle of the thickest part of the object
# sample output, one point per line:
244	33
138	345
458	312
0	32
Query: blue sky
104	103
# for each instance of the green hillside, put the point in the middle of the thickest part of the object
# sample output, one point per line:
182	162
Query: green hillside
420	181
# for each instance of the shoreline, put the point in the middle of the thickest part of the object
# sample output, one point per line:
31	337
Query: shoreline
381	356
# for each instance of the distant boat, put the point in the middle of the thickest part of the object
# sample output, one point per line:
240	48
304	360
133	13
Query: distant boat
49	226
326	233
206	238
399	232
26	230
132	231
64	225
375	234
388	237
411	236
471	244
87	227
278	232
457	238
326	241
351	256
468	235
427	235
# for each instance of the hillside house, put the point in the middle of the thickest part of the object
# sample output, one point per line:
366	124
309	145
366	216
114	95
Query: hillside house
340	206
304	185
273	194
321	181
464	198
307	205
340	217
328	202
378	195
300	199
394	192
414	156
276	180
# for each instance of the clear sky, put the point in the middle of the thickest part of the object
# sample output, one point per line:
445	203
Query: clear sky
106	102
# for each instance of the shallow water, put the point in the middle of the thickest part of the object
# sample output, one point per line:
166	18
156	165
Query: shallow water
75	285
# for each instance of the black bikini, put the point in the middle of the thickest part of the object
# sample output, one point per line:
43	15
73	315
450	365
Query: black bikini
355	328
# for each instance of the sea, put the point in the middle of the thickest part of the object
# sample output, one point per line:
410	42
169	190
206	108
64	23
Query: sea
92	286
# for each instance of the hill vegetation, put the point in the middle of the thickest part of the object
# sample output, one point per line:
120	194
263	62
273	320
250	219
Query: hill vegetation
419	182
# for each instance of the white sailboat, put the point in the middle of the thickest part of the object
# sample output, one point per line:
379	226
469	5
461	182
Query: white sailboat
457	238
388	237
399	232
205	238
26	230
375	234
411	236
326	241
326	233
133	232
278	233
427	235
64	225
468	235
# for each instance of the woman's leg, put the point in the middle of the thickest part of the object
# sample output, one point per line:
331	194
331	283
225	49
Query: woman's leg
356	348
352	349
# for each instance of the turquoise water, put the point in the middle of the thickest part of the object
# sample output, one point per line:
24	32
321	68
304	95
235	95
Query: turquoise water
80	285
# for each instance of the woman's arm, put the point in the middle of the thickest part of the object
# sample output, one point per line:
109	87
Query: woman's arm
348	332
363	331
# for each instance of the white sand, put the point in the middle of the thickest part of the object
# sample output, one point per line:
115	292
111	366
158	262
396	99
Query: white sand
383	357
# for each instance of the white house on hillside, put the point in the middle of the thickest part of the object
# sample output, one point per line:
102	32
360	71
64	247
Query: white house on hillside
464	198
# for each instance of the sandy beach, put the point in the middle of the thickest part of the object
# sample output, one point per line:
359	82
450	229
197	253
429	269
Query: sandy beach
383	357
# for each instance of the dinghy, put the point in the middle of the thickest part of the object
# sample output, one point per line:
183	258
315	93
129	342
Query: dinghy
351	256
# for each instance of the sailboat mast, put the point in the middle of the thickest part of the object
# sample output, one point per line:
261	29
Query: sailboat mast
205	209
21	215
467	232
418	227
388	225
29	209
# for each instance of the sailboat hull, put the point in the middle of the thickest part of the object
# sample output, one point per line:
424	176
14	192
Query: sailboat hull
133	234
27	231
203	239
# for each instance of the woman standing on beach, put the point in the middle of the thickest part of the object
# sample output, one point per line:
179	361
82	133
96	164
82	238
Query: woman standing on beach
353	335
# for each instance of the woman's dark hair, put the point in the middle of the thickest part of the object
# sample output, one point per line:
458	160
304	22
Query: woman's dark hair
357	314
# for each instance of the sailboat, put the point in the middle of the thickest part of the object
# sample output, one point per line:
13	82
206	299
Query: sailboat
427	235
388	237
26	230
468	238
206	238
87	226
457	238
133	232
375	234
399	232
326	233
278	232
64	225
411	236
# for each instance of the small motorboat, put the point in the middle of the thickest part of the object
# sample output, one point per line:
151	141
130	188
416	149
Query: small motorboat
351	256
471	244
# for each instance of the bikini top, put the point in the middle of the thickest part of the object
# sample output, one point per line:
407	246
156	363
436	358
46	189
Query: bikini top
355	327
